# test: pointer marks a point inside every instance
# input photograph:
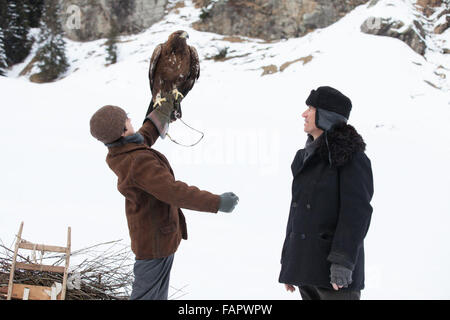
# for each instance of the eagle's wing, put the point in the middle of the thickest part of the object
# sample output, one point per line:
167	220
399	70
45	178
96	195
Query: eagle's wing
153	62
194	71
195	62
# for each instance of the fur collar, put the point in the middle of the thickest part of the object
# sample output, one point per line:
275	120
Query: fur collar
343	142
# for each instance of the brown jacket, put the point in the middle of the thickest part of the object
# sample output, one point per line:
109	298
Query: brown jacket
153	197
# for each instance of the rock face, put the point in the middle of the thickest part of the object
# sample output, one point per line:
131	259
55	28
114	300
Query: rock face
273	19
428	6
445	24
412	36
201	3
85	20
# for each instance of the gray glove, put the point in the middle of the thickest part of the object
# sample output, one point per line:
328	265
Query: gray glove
340	275
228	202
161	115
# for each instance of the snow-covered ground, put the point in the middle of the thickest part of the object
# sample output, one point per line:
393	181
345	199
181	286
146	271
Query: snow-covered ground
54	173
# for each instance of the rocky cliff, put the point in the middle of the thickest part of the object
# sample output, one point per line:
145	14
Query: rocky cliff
85	20
435	19
273	19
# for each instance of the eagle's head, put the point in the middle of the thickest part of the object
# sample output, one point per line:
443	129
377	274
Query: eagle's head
177	40
179	36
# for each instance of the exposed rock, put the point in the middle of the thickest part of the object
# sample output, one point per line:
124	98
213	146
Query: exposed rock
271	20
38	78
305	60
413	35
270	69
440	75
428	6
432	84
443	26
233	39
444	12
223	55
201	3
98	17
179	5
28	68
372	3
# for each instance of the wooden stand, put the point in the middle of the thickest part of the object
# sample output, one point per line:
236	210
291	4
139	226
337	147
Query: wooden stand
30	292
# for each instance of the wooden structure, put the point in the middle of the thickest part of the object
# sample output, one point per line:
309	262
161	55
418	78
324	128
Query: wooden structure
30	292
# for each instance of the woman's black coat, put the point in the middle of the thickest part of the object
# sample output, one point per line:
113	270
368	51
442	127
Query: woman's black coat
330	211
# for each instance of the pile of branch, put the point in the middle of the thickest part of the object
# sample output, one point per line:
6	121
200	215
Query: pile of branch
105	272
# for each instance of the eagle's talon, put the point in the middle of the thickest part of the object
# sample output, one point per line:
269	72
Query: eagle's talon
158	102
177	94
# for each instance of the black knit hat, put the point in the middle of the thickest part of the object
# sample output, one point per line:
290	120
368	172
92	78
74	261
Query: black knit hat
330	99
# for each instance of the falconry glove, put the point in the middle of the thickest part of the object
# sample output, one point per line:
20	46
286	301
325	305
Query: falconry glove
340	275
228	202
161	116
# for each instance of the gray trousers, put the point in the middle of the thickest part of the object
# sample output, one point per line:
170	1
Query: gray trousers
151	279
316	293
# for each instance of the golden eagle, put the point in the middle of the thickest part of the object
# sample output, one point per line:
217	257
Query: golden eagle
174	68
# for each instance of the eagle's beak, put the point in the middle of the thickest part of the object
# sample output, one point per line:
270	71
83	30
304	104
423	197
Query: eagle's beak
184	35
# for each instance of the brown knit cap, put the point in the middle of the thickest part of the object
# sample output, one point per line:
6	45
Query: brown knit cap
108	123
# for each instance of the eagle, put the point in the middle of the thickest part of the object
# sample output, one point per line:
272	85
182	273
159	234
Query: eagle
174	68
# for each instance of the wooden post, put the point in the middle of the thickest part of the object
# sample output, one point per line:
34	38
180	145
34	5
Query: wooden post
13	264
64	285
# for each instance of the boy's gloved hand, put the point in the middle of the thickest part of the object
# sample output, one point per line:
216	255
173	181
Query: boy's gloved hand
161	116
228	202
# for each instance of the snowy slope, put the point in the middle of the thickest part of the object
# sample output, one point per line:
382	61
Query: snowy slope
54	174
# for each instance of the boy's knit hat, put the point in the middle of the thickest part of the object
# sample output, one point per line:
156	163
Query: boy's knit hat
108	124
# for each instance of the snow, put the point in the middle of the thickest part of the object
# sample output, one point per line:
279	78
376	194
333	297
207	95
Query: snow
54	173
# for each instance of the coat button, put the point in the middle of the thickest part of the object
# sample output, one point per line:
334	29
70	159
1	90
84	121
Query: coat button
294	204
308	206
303	236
